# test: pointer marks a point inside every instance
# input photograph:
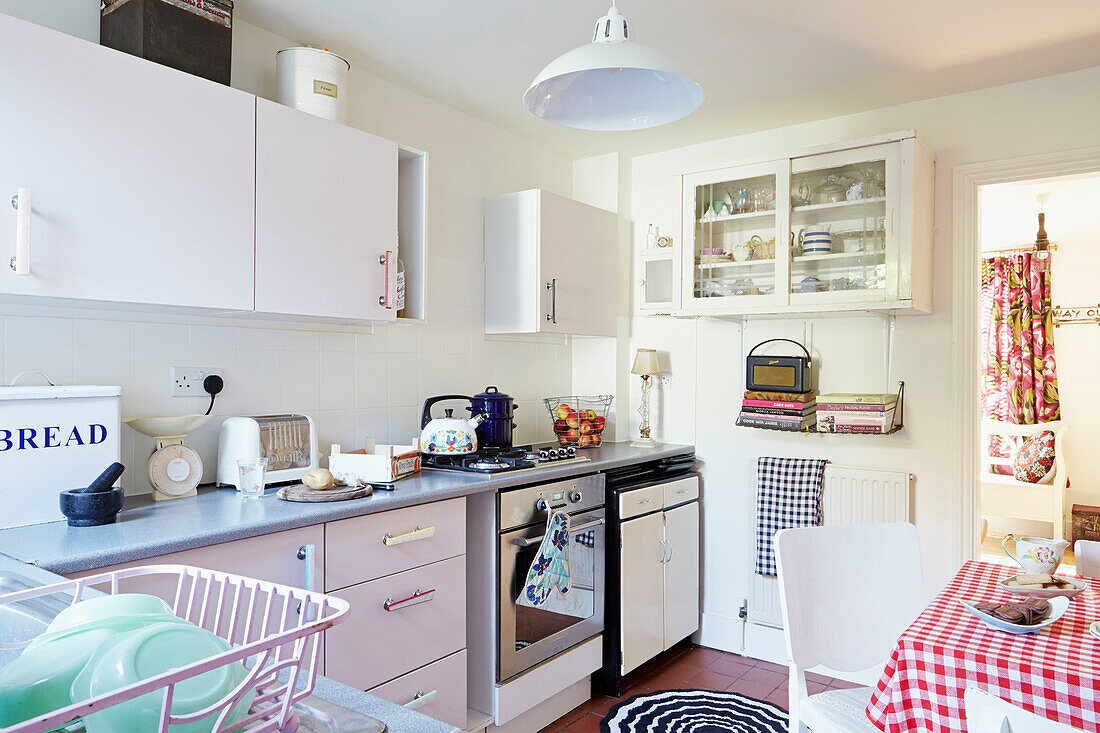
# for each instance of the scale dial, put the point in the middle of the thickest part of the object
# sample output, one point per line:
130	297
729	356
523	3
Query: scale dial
174	470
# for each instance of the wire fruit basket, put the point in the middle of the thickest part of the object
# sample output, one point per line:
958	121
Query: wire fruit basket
271	629
579	420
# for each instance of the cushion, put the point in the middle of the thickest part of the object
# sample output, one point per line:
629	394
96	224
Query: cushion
1035	459
841	710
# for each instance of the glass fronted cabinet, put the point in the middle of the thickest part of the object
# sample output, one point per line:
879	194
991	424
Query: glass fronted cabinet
656	291
835	229
732	221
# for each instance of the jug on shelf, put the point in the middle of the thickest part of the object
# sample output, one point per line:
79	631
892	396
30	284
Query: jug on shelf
1036	554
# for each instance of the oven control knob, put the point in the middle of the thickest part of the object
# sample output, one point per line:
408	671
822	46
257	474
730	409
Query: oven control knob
574	496
541	505
544	455
571	451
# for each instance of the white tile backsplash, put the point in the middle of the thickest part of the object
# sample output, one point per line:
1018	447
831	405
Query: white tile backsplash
353	384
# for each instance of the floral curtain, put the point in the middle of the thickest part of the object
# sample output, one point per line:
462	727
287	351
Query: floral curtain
1019	382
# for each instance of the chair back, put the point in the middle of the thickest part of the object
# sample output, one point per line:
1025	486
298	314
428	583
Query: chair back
1086	554
986	713
848	592
991	428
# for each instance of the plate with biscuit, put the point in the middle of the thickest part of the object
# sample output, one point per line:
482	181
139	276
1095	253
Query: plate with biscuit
1026	616
1042	585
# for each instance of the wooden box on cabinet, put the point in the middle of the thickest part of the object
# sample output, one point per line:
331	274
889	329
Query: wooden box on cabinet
549	265
741	246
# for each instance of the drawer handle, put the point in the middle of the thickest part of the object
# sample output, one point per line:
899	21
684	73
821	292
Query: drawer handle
646	501
420	699
418	597
420	533
681	491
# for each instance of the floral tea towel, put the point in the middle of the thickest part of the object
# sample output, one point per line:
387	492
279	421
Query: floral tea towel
551	565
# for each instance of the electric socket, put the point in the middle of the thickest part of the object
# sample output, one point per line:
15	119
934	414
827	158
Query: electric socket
187	381
664	381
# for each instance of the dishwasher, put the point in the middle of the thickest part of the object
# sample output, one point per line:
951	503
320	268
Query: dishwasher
652	560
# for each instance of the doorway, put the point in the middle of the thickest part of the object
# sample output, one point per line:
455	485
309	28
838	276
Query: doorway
1038	345
989	215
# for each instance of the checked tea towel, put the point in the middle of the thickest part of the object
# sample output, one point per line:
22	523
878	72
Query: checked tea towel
788	494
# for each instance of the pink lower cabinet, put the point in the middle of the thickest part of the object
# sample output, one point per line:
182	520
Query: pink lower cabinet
399	623
437	690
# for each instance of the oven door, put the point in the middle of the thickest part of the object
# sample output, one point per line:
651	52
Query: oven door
532	635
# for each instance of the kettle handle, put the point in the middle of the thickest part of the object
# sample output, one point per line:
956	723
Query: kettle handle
426	416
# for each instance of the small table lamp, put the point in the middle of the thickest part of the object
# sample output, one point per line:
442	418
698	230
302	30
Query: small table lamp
647	366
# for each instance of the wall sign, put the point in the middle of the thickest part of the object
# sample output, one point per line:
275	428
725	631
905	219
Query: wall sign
1064	315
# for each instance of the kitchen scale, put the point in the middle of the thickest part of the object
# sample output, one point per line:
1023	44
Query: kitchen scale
174	469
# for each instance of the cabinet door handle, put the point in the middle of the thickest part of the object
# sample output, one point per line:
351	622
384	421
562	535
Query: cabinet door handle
308	553
21	262
384	260
420	596
417	534
552	286
420	699
664	551
668	544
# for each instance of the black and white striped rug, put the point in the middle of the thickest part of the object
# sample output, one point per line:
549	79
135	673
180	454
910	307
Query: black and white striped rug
694	711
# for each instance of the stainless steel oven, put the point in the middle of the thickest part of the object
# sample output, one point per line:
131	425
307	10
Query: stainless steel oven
528	636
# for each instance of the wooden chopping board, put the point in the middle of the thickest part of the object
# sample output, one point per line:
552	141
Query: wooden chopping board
302	493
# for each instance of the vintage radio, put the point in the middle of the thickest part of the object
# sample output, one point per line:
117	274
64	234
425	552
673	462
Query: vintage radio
778	373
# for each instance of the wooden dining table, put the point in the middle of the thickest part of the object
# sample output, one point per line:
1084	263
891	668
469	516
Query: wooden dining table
1054	673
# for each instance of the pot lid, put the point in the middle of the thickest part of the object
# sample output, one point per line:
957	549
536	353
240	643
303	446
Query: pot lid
492	393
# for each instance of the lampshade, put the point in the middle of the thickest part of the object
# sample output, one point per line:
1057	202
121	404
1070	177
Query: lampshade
613	83
645	362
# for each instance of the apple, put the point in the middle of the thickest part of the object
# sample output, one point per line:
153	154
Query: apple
598	423
574	420
590	414
586	427
596	438
560	426
562	440
572	434
585	440
562	411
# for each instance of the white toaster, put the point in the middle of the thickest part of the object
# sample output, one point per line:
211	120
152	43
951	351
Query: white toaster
288	442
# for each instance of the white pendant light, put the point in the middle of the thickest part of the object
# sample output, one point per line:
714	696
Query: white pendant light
613	83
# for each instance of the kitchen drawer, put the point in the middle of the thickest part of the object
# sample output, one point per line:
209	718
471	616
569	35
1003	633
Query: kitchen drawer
677	492
640	501
441	686
355	551
375	645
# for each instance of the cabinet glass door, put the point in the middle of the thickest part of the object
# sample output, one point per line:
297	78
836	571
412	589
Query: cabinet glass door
731	224
840	237
656	284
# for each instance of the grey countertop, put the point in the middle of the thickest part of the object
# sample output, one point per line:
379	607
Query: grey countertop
146	529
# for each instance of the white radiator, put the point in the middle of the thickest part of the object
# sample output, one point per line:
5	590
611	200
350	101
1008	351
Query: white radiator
849	496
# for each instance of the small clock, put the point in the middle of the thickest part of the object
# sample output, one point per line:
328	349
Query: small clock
174	469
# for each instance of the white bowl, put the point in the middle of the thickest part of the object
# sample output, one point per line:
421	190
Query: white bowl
167	427
1078	586
1058	606
1094	629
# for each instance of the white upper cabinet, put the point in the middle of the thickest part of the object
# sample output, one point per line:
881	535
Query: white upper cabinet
549	265
140	177
842	228
326	218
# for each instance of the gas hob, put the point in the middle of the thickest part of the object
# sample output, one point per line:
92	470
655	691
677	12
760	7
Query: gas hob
497	460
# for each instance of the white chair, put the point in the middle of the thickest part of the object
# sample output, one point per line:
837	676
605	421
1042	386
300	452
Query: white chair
1086	555
1004	496
847	593
986	713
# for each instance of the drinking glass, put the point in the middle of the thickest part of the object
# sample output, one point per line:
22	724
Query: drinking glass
251	483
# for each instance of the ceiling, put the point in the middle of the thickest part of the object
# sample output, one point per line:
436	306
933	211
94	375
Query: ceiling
762	64
1010	211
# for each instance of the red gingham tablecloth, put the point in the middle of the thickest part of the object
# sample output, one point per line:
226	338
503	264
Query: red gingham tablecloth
1055	673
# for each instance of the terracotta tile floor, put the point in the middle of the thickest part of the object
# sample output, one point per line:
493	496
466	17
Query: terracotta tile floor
695	668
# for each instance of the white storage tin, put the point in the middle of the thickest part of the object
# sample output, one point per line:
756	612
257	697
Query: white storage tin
313	80
53	438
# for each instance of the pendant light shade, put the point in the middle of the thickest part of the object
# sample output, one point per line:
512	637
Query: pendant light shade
613	83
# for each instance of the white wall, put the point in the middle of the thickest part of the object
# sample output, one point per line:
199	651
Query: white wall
1009	220
353	384
704	357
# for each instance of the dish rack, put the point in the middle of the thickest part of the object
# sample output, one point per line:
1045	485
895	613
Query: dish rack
273	629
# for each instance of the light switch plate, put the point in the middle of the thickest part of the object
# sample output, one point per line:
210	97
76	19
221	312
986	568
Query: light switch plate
187	381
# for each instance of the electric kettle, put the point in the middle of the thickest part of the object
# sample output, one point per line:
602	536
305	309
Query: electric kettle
450	435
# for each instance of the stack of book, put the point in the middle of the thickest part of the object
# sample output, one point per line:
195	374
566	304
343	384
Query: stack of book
856	413
778	410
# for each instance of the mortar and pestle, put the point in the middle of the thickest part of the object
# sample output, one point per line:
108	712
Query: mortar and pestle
96	504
